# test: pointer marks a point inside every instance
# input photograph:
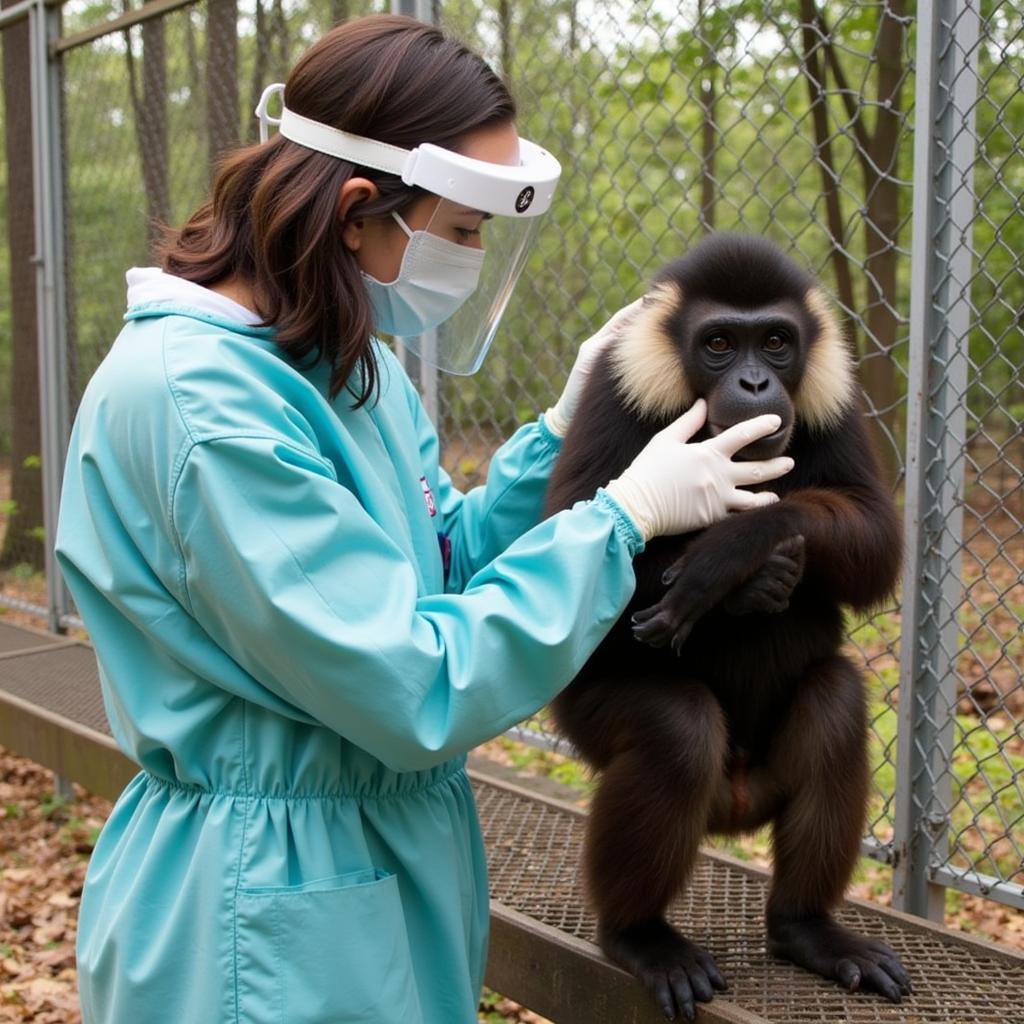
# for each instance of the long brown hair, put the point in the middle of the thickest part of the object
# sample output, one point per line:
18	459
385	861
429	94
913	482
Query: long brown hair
272	219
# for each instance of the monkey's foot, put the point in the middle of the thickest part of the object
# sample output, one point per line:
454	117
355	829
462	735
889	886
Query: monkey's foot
828	949
674	970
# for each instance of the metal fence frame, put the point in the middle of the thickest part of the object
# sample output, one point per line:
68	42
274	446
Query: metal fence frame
947	36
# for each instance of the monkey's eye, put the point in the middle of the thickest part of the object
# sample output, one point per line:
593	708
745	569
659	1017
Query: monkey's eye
718	343
775	342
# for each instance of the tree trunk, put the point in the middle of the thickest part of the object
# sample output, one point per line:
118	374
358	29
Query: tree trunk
150	112
222	100
279	31
195	71
505	32
878	155
813	68
22	541
882	221
259	70
709	146
339	11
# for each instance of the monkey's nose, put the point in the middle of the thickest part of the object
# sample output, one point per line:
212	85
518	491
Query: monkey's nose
755	383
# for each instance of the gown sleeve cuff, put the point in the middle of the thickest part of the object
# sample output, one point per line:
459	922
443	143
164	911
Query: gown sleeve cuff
627	530
547	435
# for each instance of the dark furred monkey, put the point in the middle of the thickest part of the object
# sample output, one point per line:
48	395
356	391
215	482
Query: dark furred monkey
760	718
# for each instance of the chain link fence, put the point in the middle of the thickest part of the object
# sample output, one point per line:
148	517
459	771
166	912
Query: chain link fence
803	121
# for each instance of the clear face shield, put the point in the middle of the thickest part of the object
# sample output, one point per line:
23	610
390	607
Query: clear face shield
456	278
458	272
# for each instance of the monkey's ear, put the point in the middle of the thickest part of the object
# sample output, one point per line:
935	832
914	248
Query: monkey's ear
828	386
646	363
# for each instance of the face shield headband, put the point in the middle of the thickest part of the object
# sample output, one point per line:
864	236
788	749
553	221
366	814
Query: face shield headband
513	196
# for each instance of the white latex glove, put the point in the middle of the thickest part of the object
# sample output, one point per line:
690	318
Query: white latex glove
559	416
673	487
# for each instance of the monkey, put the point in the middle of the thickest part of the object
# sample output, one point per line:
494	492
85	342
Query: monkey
721	700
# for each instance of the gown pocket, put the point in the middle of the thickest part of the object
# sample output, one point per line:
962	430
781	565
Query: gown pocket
331	951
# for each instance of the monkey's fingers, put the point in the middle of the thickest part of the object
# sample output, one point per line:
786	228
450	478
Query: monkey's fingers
656	631
780	574
680	635
768	591
661	624
792	548
645	614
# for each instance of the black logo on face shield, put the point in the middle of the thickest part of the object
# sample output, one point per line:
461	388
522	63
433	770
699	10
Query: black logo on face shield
524	199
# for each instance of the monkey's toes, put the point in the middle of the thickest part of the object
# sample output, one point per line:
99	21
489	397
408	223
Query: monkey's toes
885	976
677	973
856	962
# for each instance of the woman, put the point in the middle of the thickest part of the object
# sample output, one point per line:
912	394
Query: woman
300	625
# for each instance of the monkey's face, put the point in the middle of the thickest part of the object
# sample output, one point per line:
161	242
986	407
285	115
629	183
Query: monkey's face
739	324
746	362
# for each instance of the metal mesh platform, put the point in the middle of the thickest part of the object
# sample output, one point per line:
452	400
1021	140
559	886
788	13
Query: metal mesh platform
534	849
542	950
14	638
62	680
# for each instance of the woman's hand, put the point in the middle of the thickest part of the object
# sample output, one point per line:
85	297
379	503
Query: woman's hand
674	487
560	415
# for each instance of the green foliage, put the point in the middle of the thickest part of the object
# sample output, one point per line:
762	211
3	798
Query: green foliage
53	804
23	572
618	94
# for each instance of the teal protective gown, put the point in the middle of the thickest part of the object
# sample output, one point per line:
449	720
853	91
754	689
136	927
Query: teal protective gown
282	651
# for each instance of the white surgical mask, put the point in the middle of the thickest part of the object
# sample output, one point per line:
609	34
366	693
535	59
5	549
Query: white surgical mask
435	279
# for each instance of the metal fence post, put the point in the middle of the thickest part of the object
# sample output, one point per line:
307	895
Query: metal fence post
940	320
48	164
422	372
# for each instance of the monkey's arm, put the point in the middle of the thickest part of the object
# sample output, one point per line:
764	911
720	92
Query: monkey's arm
851	550
852	541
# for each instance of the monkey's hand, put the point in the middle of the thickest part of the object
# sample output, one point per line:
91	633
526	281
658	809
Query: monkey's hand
769	589
692	592
724	559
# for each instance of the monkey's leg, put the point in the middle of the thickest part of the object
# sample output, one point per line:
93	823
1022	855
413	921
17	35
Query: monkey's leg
822	765
649	816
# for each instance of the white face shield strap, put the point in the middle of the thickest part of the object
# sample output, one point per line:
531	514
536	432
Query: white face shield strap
506	200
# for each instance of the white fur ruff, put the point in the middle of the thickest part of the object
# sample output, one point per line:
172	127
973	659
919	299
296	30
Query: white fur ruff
650	377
